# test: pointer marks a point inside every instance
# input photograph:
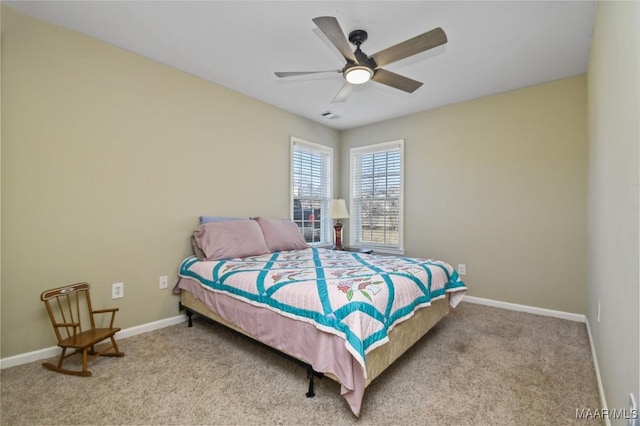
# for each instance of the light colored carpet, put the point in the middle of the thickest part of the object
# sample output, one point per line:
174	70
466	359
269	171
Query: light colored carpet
478	366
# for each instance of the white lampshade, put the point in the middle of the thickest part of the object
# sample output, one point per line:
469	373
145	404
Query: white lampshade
338	209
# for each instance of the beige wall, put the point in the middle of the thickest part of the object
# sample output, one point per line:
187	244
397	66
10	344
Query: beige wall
614	201
499	183
108	159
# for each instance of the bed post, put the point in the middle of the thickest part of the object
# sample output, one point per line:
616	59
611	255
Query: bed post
310	374
181	307
190	317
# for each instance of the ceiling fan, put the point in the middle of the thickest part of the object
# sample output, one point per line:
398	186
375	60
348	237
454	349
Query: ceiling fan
361	68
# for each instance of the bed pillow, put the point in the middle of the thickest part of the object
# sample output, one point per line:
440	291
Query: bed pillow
207	219
197	251
230	239
281	234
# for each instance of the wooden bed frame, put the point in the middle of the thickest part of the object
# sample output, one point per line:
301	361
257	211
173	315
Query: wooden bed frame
401	337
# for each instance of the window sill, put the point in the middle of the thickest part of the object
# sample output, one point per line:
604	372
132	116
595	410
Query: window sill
381	250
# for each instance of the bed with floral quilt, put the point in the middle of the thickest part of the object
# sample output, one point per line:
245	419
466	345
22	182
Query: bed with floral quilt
347	315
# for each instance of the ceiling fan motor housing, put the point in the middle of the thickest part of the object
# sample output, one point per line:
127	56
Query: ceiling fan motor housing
358	37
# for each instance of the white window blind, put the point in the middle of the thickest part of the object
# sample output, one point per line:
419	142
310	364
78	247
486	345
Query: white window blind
311	172
376	196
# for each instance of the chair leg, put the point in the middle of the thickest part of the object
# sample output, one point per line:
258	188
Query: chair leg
84	360
62	357
115	346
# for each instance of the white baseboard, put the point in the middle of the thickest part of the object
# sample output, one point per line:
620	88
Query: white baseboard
132	331
603	400
524	308
53	351
155	325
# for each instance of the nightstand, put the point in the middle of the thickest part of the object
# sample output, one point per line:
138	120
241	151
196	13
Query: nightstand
358	250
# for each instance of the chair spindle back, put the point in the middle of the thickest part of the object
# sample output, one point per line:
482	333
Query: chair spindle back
69	309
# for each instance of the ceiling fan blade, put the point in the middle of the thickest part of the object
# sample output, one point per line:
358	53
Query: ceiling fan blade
297	73
396	80
410	47
343	93
331	28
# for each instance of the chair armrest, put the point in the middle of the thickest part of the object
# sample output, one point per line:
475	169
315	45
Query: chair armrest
102	311
106	311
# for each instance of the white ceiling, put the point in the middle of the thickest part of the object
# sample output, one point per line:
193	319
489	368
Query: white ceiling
493	47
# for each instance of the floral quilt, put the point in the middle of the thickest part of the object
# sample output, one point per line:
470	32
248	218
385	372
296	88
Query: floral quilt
359	297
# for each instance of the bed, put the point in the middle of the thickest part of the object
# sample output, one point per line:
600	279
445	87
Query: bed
345	314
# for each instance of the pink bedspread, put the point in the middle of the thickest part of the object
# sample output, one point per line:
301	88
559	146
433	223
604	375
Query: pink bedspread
325	352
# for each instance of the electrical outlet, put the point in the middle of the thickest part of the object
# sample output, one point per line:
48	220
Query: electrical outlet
462	269
117	290
163	282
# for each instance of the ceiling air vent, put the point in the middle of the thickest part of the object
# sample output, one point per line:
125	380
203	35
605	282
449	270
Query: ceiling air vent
330	115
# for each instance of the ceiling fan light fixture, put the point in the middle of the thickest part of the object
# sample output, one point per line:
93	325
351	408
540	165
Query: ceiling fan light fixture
358	74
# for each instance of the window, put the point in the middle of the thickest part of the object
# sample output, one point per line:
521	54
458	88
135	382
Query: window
311	172
376	196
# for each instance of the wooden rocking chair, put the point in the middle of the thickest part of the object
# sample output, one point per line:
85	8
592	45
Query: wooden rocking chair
68	307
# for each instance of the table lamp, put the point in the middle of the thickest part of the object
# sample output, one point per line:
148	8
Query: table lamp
338	211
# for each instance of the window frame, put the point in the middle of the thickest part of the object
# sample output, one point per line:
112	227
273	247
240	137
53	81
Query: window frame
355	153
326	227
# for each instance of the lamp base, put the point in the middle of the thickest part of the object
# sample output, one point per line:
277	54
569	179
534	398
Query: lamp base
338	236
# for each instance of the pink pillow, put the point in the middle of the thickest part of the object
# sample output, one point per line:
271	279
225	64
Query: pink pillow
281	234
230	239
